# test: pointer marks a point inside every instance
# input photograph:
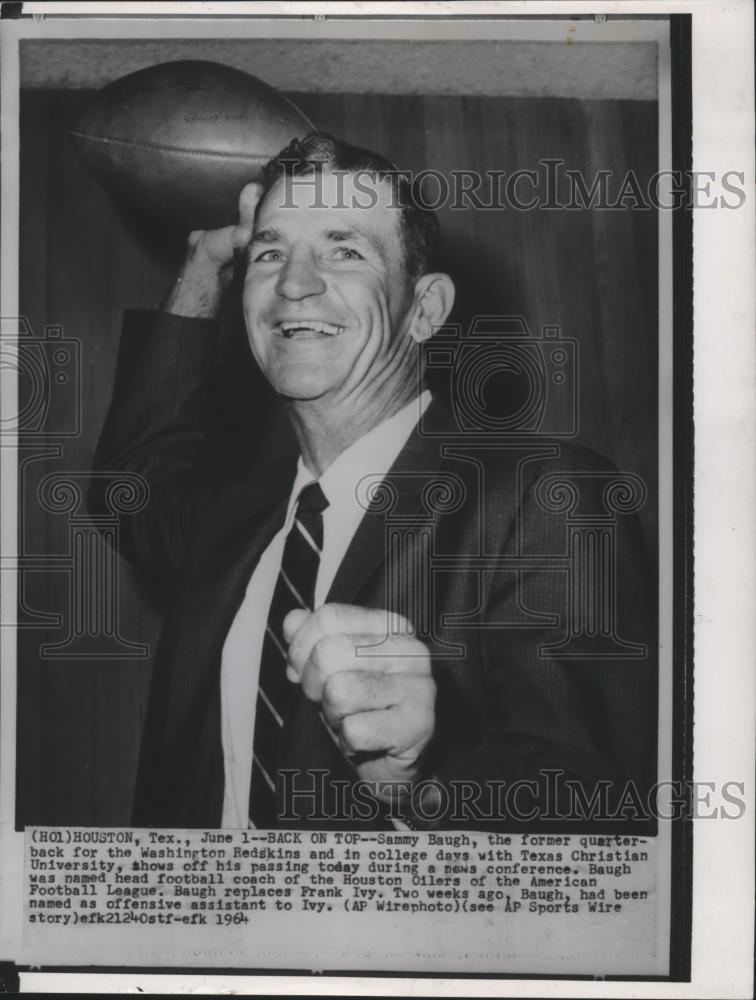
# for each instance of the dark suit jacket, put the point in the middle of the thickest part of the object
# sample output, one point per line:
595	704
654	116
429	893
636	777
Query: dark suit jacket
508	709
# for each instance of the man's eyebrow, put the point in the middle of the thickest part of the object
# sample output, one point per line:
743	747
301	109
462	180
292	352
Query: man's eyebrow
342	234
266	236
354	232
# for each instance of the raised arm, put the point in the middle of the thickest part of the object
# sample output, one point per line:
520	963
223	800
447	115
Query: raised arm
156	424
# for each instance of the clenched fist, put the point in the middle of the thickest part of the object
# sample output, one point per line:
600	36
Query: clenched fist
372	680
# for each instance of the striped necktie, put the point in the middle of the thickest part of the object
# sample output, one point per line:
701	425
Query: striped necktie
295	588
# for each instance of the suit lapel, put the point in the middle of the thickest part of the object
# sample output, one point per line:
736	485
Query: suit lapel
181	768
404	483
255	516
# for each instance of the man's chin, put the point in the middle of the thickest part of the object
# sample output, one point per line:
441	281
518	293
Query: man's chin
301	390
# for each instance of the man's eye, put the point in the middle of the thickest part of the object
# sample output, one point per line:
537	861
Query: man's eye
347	253
267	255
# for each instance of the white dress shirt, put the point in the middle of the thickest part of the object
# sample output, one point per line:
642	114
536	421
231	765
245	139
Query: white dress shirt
372	455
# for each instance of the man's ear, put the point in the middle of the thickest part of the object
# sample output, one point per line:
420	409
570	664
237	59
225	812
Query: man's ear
433	301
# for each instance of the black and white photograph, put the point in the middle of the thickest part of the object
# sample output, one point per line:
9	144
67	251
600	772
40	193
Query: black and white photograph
348	491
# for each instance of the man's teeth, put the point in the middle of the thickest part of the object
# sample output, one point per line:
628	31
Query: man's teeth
308	328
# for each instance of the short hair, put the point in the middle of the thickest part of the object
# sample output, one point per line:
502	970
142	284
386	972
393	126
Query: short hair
317	152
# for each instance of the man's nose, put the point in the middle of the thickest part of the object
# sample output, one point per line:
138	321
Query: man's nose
300	277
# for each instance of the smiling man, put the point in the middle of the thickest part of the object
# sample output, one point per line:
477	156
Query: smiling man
335	653
334	313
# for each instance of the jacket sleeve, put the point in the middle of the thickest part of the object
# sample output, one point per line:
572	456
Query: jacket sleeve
156	430
569	721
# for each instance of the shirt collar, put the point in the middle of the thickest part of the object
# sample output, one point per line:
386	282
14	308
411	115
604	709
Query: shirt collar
371	455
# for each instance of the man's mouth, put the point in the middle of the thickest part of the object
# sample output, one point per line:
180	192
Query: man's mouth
301	329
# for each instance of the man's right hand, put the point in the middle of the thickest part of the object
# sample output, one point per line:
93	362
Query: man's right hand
207	268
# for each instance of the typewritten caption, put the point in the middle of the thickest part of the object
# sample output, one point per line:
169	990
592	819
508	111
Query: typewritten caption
84	877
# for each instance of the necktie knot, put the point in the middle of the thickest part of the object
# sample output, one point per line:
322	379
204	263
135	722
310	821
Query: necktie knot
312	499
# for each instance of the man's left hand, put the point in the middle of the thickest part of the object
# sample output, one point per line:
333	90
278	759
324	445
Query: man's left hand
372	679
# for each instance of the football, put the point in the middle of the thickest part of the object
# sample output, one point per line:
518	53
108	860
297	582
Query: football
181	139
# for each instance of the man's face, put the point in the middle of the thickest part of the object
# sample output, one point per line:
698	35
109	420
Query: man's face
326	294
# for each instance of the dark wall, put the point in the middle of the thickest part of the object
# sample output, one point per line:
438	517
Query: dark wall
83	259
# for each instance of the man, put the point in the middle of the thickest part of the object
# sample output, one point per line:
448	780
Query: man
329	659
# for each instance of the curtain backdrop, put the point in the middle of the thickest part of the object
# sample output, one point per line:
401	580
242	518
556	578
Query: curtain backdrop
83	259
